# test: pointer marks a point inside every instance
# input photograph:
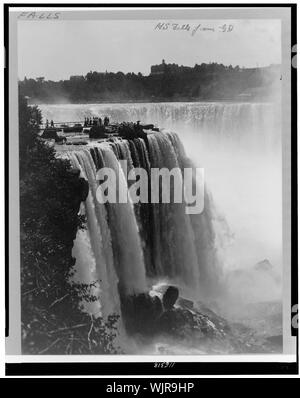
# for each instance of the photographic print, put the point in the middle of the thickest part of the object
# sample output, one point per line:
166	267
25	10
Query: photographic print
152	166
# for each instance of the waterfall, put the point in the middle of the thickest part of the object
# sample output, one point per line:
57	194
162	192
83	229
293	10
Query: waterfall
128	253
126	246
92	247
236	121
238	144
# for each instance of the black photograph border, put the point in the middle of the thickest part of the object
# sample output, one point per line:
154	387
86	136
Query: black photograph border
148	368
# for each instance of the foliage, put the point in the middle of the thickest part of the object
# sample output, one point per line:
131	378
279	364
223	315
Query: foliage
53	320
177	83
29	119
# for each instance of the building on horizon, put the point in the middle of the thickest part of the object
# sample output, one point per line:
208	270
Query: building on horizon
170	68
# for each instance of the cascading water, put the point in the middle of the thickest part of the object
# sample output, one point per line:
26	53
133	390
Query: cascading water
92	247
128	246
133	248
238	144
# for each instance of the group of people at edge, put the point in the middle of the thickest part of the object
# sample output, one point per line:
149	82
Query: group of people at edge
88	121
96	121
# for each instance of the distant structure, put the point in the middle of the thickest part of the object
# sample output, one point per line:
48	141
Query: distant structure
158	69
170	68
77	78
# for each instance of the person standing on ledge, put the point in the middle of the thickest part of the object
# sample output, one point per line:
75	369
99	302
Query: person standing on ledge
106	121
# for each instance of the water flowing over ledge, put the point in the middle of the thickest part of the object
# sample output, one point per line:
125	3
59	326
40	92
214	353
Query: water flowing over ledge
134	250
126	247
228	120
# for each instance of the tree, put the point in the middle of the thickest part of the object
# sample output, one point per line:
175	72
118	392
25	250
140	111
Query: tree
171	81
52	316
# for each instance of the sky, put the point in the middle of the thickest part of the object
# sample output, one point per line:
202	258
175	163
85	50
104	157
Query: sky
59	49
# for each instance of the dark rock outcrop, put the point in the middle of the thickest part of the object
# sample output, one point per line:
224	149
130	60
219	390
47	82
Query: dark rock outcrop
50	133
84	189
168	314
185	303
263	265
176	319
97	132
140	313
77	142
185	324
81	188
170	297
131	131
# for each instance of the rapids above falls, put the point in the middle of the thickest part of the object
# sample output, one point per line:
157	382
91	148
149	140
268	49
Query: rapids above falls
228	120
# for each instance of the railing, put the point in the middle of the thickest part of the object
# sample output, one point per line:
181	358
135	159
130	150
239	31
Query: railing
60	124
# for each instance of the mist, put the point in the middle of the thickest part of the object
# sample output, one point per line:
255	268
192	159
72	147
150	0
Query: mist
239	147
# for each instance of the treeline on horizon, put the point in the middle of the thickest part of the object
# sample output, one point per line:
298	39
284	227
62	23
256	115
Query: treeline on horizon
202	82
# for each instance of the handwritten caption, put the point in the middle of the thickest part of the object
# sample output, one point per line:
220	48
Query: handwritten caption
39	15
192	29
164	364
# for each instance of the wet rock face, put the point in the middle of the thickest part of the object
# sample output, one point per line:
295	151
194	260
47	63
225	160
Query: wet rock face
170	297
184	323
77	143
176	322
170	315
150	316
97	132
140	313
132	130
81	187
80	191
177	319
185	303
